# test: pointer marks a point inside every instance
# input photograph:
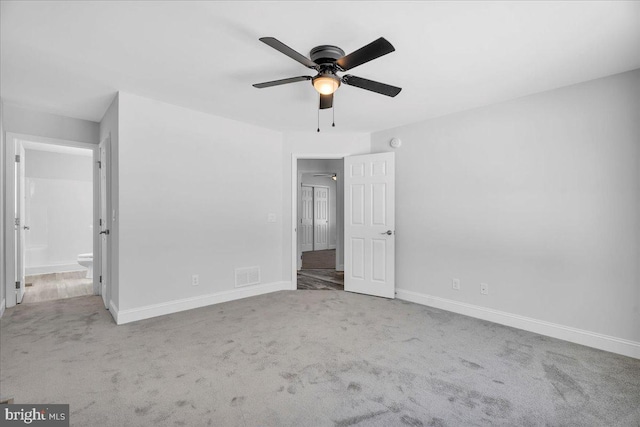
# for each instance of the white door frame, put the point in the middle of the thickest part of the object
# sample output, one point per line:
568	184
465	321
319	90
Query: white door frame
294	205
101	268
9	187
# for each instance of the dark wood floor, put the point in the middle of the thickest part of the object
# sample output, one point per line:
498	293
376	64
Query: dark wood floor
321	279
319	259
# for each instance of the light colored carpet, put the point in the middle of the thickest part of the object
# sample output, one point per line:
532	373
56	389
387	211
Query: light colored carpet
319	259
307	358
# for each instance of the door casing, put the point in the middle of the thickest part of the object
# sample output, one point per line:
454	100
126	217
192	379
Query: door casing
104	241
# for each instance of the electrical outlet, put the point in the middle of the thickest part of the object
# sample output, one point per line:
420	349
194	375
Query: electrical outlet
484	288
195	280
455	284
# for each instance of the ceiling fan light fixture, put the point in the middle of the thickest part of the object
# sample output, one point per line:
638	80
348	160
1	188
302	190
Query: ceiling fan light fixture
326	84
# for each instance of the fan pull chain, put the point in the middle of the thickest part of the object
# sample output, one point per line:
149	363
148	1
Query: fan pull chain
318	119
333	112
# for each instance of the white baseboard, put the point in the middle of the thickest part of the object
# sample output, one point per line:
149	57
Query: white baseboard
3	304
340	267
567	333
58	268
146	312
113	309
332	246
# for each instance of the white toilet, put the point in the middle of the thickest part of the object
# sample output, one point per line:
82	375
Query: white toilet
86	260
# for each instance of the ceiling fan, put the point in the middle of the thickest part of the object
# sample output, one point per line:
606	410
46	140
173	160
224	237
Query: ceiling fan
328	60
333	176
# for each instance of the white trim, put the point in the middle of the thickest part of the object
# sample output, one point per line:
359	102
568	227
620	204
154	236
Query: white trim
103	272
113	309
340	267
2	306
567	333
56	268
146	312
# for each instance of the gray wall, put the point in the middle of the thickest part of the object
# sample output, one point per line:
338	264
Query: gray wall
538	197
195	194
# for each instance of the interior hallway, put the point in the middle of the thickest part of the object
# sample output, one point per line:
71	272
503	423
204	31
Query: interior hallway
319	271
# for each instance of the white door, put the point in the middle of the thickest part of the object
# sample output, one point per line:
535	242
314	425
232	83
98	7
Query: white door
369	224
320	218
21	227
306	221
104	216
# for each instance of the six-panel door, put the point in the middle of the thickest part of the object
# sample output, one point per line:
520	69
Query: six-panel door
369	227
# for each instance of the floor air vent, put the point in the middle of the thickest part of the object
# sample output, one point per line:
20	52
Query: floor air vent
247	276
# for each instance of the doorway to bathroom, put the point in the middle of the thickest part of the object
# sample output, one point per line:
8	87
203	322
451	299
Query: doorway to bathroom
55	219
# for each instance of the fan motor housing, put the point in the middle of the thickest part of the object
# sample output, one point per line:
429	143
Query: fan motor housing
326	54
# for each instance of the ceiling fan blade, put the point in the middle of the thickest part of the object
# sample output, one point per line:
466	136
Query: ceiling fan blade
377	87
367	53
281	47
282	82
326	101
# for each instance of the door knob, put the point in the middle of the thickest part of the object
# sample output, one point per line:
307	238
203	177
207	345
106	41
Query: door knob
105	232
388	232
26	227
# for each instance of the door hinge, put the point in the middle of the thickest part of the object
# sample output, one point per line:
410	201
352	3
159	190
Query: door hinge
100	279
17	285
17	158
101	222
17	222
99	164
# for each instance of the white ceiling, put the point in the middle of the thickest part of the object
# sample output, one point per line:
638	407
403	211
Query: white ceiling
70	58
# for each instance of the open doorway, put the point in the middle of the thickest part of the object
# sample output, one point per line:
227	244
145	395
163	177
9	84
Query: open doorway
57	219
365	247
52	219
320	221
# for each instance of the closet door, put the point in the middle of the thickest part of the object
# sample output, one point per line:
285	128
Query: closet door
321	218
306	220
